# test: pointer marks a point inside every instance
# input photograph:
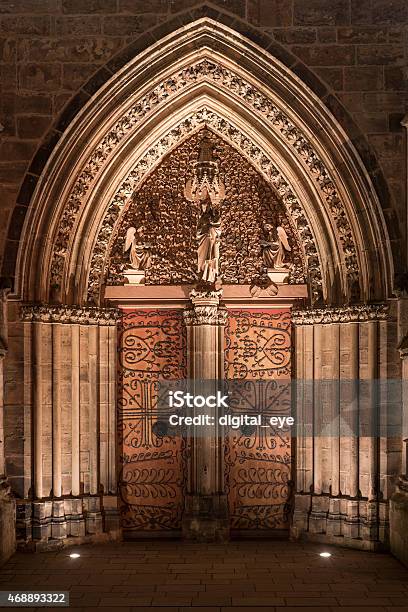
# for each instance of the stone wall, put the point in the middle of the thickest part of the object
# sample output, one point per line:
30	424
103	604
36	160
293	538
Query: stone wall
50	49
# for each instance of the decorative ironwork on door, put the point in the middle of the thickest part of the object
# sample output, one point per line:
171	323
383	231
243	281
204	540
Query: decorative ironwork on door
258	459
151	347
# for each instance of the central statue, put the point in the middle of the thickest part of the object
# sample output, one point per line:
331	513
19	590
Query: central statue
206	190
208	236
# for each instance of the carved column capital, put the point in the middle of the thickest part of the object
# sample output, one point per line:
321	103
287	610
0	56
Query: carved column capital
205	315
206	309
345	314
85	315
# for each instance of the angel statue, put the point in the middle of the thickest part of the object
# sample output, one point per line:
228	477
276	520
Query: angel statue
275	246
208	235
138	251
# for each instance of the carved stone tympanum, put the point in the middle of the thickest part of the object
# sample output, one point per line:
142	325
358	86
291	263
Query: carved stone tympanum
205	219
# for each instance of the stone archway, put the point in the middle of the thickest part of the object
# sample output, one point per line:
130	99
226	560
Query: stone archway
262	110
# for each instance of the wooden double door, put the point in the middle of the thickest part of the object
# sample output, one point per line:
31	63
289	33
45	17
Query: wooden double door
153	466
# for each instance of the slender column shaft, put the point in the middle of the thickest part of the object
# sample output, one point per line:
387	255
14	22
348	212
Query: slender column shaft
206	364
308	373
56	410
103	407
93	410
335	434
372	359
75	399
112	335
354	420
317	441
38	406
206	504
299	338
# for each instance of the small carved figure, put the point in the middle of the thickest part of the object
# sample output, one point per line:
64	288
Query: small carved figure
138	251
275	246
208	235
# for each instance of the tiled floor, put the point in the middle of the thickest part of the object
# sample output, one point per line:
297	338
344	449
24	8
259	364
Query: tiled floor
239	576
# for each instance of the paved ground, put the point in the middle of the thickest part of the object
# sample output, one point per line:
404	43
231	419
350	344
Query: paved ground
236	577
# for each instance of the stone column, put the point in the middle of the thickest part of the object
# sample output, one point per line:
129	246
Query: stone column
206	513
74	423
341	500
7	503
349	416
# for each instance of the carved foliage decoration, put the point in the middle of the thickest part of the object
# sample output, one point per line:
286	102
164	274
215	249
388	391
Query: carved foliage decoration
345	314
168	220
254	99
100	265
88	315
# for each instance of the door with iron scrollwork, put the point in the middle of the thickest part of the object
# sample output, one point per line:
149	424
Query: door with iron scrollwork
258	458
151	347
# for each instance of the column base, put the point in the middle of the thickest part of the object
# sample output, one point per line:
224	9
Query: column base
7	521
399	521
55	523
206	518
352	522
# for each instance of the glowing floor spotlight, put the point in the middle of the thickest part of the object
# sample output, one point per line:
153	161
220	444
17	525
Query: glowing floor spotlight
325	554
74	555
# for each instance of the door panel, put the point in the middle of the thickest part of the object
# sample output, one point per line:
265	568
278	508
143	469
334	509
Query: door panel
258	459
151	347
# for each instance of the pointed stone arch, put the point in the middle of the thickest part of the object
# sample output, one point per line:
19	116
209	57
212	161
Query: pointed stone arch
280	117
205	72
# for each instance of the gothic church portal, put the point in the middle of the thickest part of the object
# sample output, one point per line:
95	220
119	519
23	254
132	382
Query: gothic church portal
203	217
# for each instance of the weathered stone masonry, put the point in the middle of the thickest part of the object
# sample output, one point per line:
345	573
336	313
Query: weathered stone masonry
350	52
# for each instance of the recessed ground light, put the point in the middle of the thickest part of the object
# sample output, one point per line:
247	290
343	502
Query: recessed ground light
74	555
325	554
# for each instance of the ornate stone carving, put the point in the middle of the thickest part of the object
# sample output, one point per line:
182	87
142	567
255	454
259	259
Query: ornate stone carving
208	238
206	309
136	249
46	313
346	314
241	256
205	183
248	94
275	246
263	286
206	190
205	315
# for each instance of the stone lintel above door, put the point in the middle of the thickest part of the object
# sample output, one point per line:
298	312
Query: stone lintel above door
179	295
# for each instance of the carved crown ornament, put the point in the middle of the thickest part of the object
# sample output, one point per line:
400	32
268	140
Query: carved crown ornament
205	315
258	103
101	263
87	315
346	314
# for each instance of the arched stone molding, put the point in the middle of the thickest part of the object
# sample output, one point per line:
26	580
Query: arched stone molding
250	149
361	219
